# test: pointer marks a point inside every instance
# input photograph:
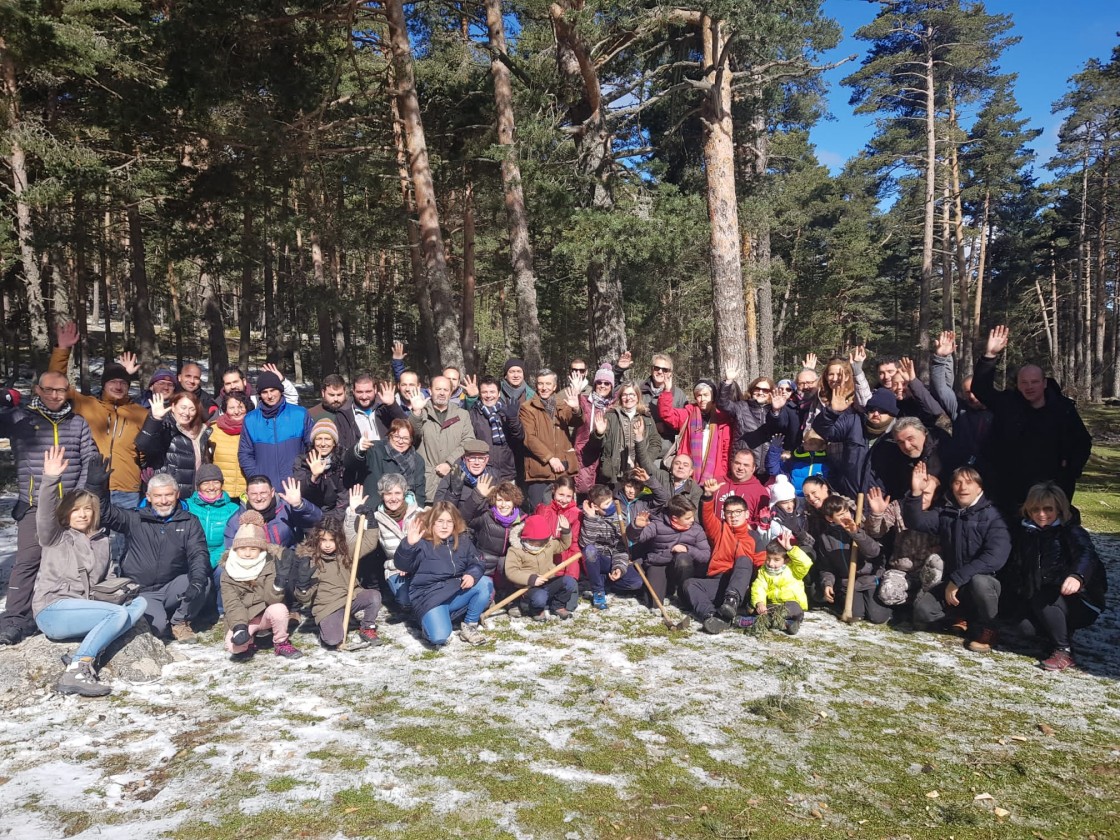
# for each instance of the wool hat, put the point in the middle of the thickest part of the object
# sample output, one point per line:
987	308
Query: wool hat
267	380
510	363
250	532
883	400
781	490
604	374
476	447
324	426
162	374
114	371
707	383
787	383
537	527
208	472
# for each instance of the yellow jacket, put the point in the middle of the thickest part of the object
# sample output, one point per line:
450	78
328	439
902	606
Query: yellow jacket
223	453
113	426
786	585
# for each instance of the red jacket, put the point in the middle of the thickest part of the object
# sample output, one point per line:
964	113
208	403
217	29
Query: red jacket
729	543
692	440
571	513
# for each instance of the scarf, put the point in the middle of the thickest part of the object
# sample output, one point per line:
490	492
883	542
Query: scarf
468	479
230	426
493	415
196	443
549	405
876	430
511	394
238	568
703	465
55	417
270	412
505	521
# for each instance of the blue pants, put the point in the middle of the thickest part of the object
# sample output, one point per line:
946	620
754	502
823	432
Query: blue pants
553	595
216	579
118	542
469	603
99	623
398	585
598	565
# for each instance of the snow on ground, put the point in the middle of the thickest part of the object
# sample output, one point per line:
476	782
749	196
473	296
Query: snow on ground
416	729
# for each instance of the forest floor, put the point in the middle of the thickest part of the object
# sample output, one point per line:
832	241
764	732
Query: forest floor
607	725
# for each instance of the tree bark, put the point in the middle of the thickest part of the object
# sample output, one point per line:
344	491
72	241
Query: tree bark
1086	249
1101	315
146	340
215	326
327	360
517	216
930	199
470	349
247	302
103	278
431	240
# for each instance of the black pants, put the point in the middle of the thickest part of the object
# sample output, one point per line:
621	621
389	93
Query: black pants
670	578
865	606
705	593
21	583
170	600
979	597
1059	615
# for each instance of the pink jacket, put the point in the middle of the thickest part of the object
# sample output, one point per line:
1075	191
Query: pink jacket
692	442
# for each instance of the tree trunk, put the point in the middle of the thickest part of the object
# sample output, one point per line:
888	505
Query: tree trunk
470	349
431	239
723	209
517	217
271	334
176	311
215	326
81	278
247	302
978	295
930	200
1101	315
1085	345
103	279
750	304
146	340
947	309
327	360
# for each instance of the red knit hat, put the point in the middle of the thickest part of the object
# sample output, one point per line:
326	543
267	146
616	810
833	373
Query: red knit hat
537	527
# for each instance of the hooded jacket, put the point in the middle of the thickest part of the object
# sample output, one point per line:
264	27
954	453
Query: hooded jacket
784	586
213	516
729	543
167	450
269	445
283	525
653	544
522	565
244	600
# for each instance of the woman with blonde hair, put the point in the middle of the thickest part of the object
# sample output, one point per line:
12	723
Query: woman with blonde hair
619	443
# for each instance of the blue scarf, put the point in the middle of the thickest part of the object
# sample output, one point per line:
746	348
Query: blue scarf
493	416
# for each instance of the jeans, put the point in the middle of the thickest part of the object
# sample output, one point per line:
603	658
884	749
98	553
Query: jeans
99	623
553	594
598	564
470	603
216	581
398	585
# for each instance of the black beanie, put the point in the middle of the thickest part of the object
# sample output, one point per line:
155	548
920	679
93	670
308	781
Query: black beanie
267	380
114	371
512	363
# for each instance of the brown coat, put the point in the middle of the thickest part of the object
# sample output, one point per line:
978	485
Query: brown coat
548	437
522	565
244	600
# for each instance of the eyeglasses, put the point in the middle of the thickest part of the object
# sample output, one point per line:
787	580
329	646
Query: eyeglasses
401	436
659	369
736	512
57	392
761	391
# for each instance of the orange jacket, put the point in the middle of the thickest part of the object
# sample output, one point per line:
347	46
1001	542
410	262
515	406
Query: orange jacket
729	543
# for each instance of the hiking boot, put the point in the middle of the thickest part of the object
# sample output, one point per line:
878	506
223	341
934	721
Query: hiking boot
562	613
241	635
370	637
984	641
599	600
245	655
11	636
183	633
1059	660
730	606
287	650
80	678
715	625
793	625
470	634
514	612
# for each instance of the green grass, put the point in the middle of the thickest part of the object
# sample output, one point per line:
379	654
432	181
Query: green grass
1097	492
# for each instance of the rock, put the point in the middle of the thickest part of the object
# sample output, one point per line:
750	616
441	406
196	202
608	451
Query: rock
136	657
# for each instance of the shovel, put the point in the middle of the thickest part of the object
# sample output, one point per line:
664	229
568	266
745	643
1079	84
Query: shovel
672	625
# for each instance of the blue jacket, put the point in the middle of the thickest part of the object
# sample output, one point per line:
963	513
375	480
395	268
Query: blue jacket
283	525
270	445
214	517
436	571
974	541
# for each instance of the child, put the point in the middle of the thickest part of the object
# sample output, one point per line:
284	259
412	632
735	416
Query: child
671	546
915	565
605	554
778	592
564	505
327	552
493	524
542	539
834	553
787	512
639	493
253	576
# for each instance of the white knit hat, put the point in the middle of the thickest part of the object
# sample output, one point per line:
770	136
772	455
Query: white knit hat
781	490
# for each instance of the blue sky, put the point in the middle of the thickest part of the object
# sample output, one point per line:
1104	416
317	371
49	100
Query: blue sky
1057	39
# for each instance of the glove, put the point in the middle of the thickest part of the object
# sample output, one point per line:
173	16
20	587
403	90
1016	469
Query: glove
240	635
97	474
302	570
283	571
194	592
9	398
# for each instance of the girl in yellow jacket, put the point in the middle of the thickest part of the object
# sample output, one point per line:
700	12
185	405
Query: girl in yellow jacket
778	591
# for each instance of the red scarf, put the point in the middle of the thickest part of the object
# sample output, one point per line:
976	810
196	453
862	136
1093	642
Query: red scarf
228	425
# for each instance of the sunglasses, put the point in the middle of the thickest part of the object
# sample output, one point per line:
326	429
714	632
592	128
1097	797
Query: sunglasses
659	369
578	370
761	391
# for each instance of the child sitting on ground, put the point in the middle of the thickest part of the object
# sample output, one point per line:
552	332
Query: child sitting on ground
915	565
778	592
787	513
834	553
671	546
541	539
254	575
639	493
605	554
326	550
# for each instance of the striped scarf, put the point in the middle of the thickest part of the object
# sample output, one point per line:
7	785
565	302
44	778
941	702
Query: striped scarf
493	416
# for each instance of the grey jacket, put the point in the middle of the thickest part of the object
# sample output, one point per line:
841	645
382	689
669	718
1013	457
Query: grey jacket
31	434
72	562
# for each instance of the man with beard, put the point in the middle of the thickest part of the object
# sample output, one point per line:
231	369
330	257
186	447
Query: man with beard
234	380
865	441
274	433
49	420
495	421
408	381
367	414
287	516
441	430
742	483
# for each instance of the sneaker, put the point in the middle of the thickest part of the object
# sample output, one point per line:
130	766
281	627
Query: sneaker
370	637
514	612
1059	660
183	633
984	642
541	616
715	625
287	650
730	606
745	621
80	678
562	613
599	600
793	625
245	655
470	634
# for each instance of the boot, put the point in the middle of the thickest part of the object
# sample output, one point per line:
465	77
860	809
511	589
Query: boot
470	634
730	606
79	678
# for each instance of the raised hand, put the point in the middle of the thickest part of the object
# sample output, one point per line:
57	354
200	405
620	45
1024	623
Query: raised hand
810	361
67	335
778	401
364	442
271	368
946	344
997	341
54	461
711	487
317	464
918	478
485	485
387	392
589	510
625	360
906	369
877	501
639	428
600	424
571	394
292	494
417	402
858	355
357	498
415	531
642	519
470	385
786	539
640	474
129	362
159	407
398	350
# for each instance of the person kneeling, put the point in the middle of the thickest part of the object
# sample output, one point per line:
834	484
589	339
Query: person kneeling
446	573
527	563
253	591
778	592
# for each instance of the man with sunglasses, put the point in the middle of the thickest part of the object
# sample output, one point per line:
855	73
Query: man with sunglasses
49	420
660	379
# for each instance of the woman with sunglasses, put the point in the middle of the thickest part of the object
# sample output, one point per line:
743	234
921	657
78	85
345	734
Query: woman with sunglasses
754	423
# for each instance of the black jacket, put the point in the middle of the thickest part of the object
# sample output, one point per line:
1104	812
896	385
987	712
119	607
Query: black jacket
159	549
168	450
503	459
1047	556
974	541
329	493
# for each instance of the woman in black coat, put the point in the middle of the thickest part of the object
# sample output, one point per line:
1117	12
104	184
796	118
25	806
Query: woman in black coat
175	439
1063	578
319	470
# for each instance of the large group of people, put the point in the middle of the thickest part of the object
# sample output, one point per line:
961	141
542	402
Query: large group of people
946	507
